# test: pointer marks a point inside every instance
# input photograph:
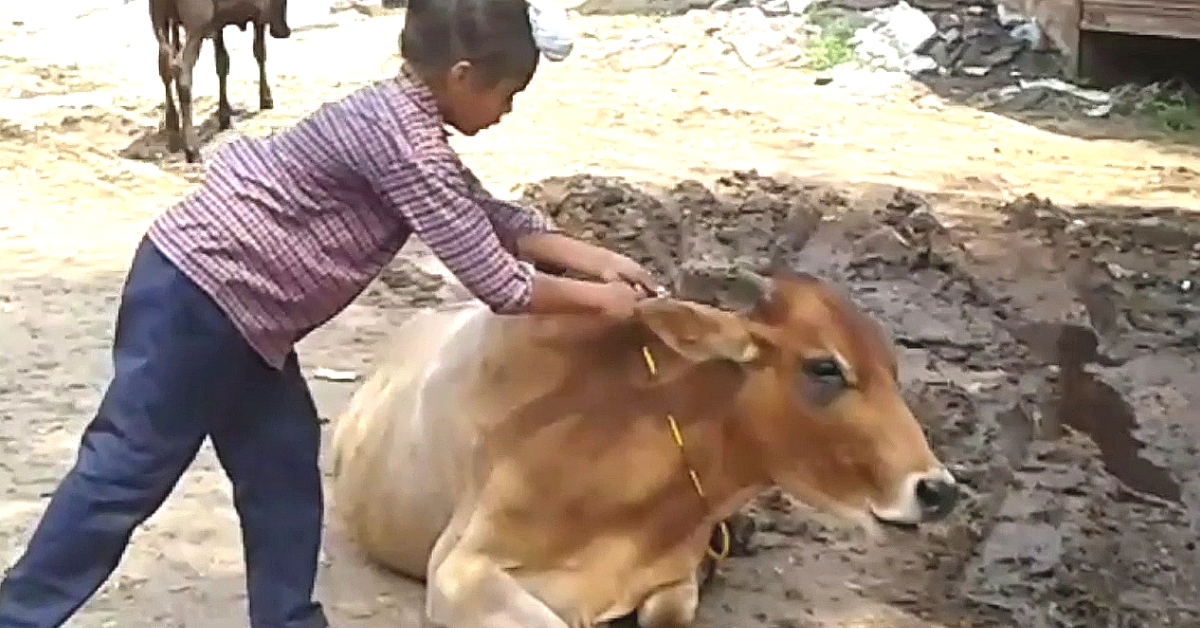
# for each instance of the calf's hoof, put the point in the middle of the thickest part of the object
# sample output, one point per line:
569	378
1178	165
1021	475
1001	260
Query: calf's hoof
742	528
281	31
191	155
266	103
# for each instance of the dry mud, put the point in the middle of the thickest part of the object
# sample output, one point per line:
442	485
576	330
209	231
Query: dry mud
1050	355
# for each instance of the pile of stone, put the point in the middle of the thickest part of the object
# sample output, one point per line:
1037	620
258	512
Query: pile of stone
975	40
952	38
963	38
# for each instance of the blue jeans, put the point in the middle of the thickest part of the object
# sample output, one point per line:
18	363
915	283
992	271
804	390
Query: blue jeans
182	372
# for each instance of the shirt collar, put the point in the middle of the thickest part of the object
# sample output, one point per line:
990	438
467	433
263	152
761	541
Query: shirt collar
418	91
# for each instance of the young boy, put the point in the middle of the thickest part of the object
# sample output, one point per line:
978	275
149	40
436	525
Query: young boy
283	234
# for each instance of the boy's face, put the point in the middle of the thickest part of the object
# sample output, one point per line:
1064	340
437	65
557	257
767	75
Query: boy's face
469	105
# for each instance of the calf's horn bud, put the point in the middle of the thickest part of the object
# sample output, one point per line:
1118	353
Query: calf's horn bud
749	288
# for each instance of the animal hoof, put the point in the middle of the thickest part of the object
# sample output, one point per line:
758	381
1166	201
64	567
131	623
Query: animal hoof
266	103
192	156
742	528
224	123
281	31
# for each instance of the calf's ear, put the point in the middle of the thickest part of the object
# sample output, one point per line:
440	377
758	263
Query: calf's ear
698	332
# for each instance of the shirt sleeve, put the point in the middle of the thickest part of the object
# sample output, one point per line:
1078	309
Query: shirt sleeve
439	206
510	220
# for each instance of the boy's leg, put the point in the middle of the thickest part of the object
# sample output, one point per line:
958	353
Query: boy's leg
169	342
270	453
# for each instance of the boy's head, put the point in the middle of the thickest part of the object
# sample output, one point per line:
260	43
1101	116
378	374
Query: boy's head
474	54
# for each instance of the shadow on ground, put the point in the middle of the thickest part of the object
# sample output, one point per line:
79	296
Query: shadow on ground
1045	110
152	144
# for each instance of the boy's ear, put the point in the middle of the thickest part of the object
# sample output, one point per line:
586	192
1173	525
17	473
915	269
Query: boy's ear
460	72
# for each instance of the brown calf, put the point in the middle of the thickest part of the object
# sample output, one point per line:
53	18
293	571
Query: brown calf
526	468
202	19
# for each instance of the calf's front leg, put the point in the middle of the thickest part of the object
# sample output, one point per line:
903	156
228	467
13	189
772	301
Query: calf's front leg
469	590
672	606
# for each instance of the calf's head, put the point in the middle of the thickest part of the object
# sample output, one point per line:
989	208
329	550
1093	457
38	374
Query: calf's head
820	412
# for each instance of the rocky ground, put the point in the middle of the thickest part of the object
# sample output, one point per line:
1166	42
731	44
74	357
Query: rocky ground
1077	445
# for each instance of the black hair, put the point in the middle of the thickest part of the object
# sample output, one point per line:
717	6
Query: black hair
495	36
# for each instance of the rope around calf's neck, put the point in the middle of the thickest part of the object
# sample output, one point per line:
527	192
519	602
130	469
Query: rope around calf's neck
677	435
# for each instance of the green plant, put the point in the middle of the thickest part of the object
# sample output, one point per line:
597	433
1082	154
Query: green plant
1175	113
831	46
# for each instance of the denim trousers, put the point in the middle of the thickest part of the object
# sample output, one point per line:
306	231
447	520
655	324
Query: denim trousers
181	373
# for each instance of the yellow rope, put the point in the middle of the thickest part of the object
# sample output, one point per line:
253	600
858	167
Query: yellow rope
678	436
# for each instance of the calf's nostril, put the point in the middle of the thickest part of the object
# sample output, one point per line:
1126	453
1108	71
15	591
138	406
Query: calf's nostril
937	497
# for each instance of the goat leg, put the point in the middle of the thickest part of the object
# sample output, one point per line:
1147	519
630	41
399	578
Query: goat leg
277	10
221	56
166	71
260	55
183	85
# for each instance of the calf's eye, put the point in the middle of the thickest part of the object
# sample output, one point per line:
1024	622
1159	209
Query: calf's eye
825	371
821	380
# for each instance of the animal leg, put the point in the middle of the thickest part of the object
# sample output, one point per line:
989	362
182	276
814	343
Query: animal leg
278	19
166	33
166	72
260	55
221	56
469	590
673	606
167	49
183	85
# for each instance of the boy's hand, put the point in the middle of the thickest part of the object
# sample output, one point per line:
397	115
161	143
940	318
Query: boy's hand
618	298
596	262
619	268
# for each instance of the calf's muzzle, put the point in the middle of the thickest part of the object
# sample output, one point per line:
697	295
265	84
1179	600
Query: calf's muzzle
937	497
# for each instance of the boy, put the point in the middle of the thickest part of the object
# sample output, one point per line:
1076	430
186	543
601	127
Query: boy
283	234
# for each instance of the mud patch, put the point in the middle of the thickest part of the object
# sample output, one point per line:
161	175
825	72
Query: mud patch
690	235
404	284
1045	353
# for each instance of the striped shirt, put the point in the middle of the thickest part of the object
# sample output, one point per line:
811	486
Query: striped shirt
287	230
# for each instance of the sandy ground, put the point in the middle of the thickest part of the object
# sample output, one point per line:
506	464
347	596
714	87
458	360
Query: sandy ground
75	204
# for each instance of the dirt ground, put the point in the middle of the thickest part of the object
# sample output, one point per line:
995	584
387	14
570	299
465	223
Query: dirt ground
991	295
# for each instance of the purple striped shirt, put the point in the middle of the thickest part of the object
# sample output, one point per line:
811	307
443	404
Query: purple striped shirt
287	230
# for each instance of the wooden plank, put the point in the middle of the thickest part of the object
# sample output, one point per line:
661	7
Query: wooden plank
1174	18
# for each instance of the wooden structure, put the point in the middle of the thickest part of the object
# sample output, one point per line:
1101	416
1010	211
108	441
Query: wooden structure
1068	22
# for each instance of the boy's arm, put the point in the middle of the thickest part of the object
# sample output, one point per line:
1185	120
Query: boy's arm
444	213
512	221
557	249
534	237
